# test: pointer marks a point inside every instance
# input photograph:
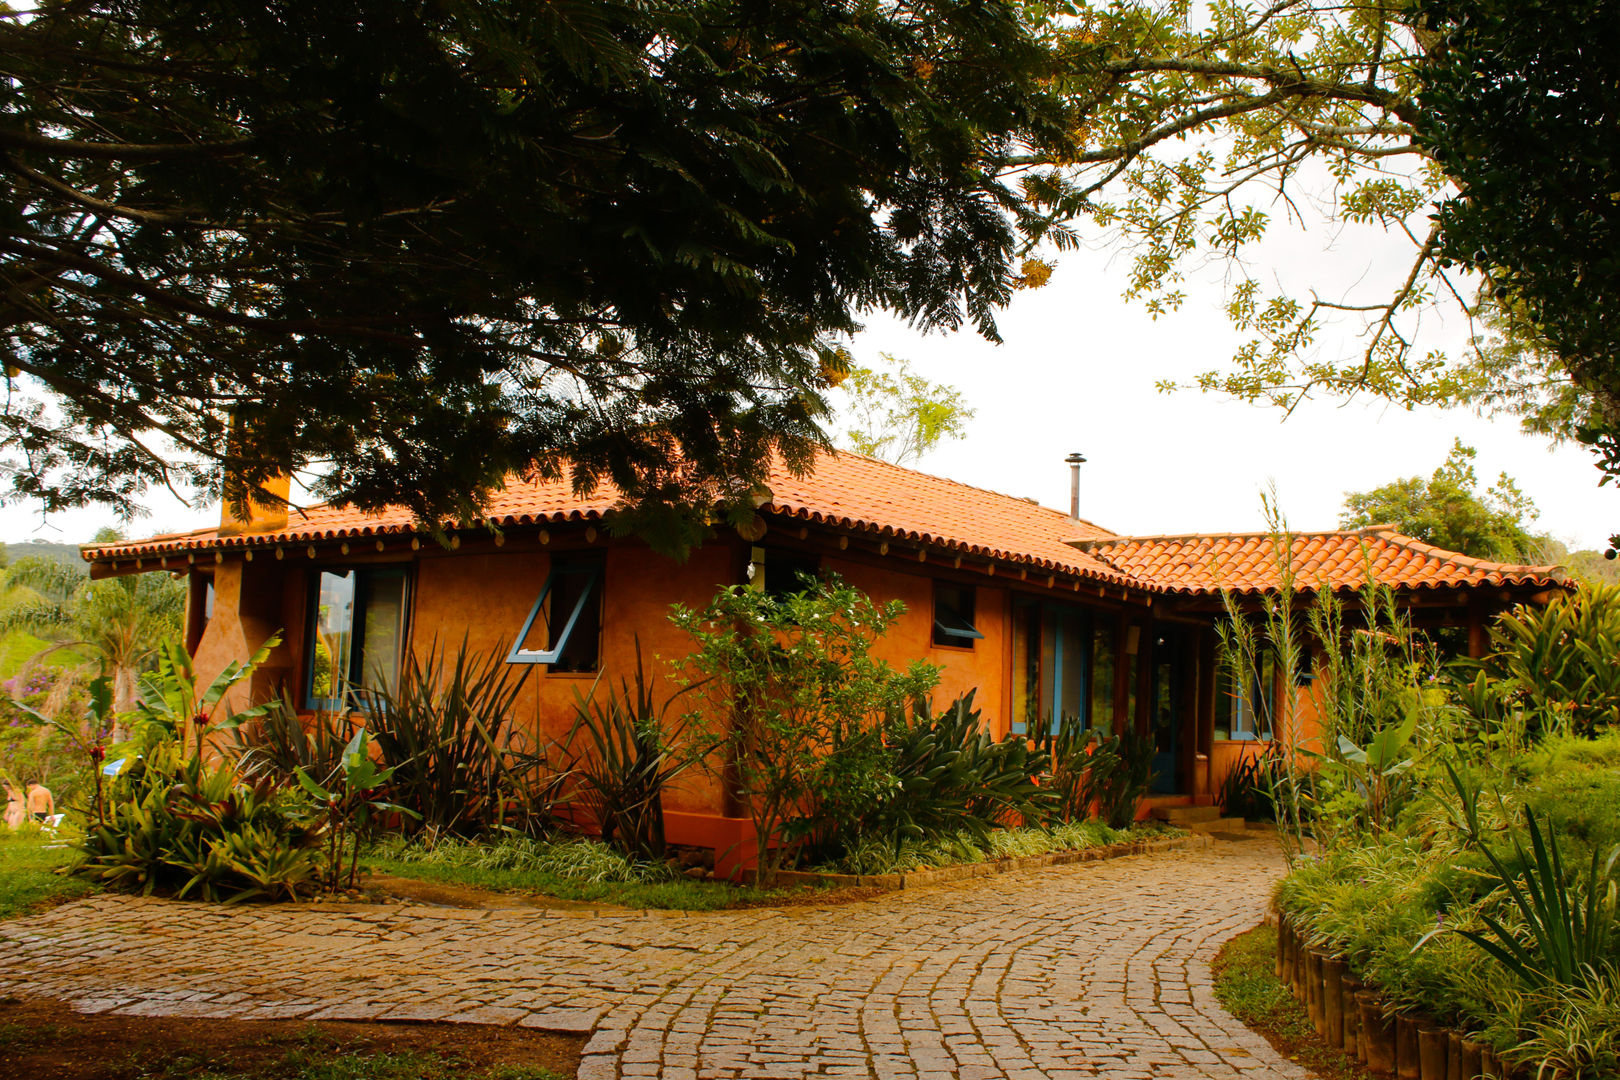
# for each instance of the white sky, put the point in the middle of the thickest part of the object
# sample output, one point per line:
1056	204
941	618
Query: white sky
1078	371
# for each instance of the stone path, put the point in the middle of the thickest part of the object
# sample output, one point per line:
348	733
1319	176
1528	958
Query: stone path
1098	969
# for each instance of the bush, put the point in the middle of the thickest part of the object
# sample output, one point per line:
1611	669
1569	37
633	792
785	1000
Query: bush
796	703
951	777
632	750
1120	773
1557	663
459	763
177	826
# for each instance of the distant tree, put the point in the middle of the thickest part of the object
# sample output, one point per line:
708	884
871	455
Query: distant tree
120	621
408	248
899	416
1449	511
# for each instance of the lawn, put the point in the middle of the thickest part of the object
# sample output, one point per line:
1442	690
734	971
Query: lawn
679	894
29	881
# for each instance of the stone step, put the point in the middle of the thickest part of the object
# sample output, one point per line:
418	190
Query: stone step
1186	816
1218	824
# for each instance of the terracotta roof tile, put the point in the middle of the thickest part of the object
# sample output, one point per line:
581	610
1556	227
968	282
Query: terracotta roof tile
867	495
1248	563
845	490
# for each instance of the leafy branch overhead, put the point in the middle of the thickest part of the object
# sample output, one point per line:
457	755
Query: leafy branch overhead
407	248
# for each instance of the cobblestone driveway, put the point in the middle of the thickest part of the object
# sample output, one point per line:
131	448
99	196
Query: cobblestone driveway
1099	969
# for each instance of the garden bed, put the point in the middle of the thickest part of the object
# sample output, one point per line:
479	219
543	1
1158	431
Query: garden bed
917	879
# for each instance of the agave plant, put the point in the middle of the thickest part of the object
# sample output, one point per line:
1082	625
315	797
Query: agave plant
622	751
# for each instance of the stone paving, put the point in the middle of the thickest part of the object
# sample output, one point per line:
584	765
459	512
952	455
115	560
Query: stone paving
1098	969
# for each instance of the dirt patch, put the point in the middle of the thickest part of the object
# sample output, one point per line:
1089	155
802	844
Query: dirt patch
444	894
45	1040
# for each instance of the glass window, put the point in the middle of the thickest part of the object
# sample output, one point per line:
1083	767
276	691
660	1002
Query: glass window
954	615
1246	712
564	628
786	573
1026	668
1102	676
357	636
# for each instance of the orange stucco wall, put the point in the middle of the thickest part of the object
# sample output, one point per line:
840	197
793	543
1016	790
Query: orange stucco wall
487	596
482	592
911	637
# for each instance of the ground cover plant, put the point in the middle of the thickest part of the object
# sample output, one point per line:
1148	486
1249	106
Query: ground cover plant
1454	831
563	868
1246	985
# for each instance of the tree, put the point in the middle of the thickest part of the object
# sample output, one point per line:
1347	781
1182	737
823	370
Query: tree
898	415
1521	107
1449	511
409	248
121	621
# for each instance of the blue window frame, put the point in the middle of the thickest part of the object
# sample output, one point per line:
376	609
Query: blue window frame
1051	665
569	611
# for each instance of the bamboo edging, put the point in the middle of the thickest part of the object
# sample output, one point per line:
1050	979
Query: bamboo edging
1354	1019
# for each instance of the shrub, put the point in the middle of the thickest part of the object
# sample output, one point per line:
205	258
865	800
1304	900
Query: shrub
790	682
1556	663
632	750
458	761
953	778
279	743
176	825
1120	773
1246	790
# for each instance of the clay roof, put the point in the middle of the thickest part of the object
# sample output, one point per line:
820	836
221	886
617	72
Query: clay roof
863	494
846	490
1248	563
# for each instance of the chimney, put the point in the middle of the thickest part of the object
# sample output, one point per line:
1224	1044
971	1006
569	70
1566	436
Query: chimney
1075	460
266	509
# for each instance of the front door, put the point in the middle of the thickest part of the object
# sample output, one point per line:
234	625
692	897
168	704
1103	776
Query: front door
1169	657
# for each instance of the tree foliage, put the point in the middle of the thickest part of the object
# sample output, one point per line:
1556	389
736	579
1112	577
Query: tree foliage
1449	511
898	415
1521	107
410	247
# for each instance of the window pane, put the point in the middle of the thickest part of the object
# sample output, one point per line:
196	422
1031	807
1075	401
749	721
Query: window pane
334	635
1073	646
1042	714
1026	665
382	630
1102	678
953	616
575	590
788	573
1265	695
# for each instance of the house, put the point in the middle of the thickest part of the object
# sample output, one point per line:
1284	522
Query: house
1042	612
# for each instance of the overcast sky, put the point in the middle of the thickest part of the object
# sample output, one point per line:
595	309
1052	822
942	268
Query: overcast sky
1077	371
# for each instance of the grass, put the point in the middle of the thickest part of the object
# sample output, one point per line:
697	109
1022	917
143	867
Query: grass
576	870
1246	984
29	882
17	648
